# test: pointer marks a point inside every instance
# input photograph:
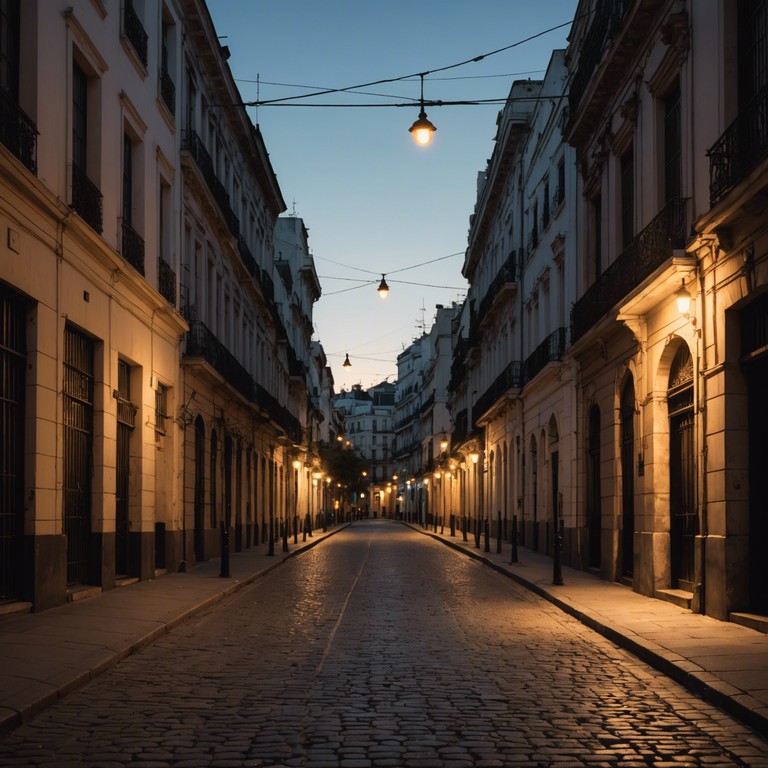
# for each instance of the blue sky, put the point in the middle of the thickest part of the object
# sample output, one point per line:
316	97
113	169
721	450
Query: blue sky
373	201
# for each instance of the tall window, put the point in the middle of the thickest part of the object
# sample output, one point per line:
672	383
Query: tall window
672	145
627	197
752	48
597	234
127	181
9	48
79	118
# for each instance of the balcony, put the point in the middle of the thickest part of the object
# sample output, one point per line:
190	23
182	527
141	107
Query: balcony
133	248
549	351
247	258
192	143
18	132
507	380
87	200
168	91
134	30
504	283
648	251
166	281
201	342
742	146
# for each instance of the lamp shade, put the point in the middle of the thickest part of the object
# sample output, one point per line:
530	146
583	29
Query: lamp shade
422	129
683	300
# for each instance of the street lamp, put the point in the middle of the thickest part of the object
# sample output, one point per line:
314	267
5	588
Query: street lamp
383	289
422	130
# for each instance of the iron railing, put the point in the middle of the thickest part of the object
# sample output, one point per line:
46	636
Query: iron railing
741	147
18	131
606	20
506	276
134	31
166	281
549	351
133	248
87	200
202	342
507	380
193	144
648	250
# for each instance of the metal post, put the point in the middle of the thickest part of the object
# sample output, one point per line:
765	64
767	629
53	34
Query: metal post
285	535
498	535
453	524
464	527
557	573
271	549
487	547
224	550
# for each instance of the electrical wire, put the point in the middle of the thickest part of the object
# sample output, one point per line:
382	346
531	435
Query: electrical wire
474	59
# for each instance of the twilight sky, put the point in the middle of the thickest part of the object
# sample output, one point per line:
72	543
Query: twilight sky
373	201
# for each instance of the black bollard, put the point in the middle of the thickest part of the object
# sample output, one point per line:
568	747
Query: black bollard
464	527
513	558
453	524
557	572
498	534
295	529
285	536
487	547
477	533
271	549
224	551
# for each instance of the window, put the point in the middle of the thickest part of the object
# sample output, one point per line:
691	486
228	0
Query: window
133	244
86	196
597	234
627	198
545	211
133	29
167	63
9	48
161	408
752	48
672	145
535	225
561	181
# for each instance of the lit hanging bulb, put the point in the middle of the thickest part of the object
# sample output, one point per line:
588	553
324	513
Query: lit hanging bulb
346	363
422	129
383	289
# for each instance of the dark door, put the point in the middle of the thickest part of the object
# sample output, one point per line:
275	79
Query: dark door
126	417
594	512
12	366
758	485
627	417
683	523
77	453
199	490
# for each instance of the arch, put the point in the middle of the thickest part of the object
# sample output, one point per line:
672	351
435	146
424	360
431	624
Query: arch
199	491
627	454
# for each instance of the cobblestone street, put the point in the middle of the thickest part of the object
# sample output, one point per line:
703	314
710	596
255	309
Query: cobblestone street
381	647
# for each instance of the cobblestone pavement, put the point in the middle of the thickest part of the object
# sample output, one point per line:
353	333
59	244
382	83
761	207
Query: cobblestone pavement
382	648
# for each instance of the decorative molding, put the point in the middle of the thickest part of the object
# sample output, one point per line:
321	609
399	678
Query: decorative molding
138	124
85	43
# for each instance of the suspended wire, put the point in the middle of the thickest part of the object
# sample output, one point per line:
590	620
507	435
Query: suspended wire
412	75
388	272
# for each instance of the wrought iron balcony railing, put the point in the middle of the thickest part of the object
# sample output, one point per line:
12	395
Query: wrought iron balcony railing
192	143
505	277
647	251
134	31
133	248
201	342
168	91
166	281
87	200
507	380
607	18
17	131
549	351
741	147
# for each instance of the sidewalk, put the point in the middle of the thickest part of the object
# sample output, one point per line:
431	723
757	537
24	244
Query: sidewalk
722	662
44	656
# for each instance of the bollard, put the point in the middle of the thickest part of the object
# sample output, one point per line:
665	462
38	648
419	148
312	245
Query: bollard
464	527
477	533
271	549
453	524
498	535
309	525
224	551
284	526
296	529
487	547
557	573
513	558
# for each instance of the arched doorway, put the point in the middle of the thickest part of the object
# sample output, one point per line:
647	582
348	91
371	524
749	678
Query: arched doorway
683	523
627	441
594	511
199	502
